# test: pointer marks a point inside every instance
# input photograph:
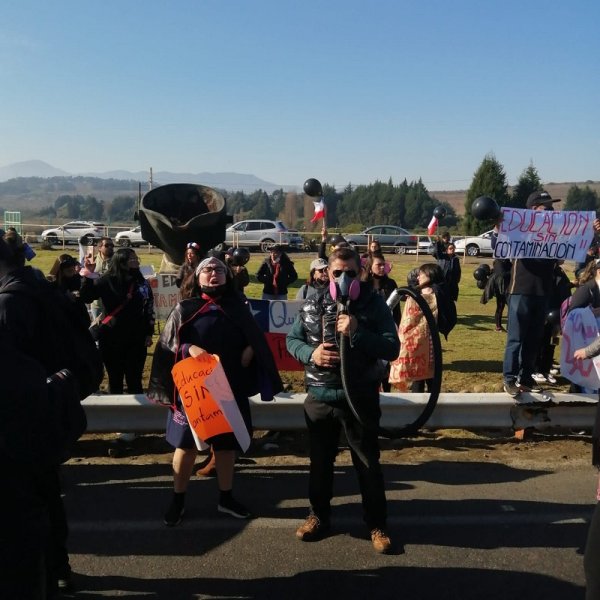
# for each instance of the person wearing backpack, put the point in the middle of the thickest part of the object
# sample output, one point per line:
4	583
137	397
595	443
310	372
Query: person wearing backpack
318	279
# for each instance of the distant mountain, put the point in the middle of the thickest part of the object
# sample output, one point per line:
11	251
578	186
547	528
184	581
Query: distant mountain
232	182
30	168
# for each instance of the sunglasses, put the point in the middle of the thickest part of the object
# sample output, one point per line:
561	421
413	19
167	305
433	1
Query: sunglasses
338	273
193	245
108	245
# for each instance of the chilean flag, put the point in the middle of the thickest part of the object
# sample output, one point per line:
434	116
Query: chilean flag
319	210
432	227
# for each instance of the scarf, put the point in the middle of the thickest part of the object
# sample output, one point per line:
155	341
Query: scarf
276	268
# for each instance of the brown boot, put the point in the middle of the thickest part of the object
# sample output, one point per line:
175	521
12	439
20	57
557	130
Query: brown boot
208	469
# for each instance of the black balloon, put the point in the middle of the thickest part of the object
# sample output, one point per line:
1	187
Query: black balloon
485	208
312	187
481	273
240	256
481	284
553	316
439	212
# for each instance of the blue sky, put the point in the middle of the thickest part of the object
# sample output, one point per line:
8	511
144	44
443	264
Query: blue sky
346	91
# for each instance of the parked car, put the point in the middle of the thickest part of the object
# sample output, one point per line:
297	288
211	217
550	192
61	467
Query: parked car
131	237
475	246
262	234
426	246
391	237
72	232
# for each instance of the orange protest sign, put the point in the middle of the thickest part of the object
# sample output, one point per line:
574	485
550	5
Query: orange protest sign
203	412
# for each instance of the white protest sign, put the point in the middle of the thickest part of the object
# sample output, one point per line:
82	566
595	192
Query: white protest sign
562	235
166	294
579	330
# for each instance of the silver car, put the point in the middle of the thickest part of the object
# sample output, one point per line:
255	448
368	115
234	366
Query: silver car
262	234
391	237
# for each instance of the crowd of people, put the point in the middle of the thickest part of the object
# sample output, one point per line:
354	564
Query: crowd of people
345	335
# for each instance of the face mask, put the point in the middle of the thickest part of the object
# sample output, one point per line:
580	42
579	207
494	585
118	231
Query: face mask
214	291
344	288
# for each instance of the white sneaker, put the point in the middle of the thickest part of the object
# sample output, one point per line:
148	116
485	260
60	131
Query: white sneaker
539	377
551	378
554	371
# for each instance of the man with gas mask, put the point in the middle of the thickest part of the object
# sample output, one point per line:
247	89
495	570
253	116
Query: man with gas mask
342	335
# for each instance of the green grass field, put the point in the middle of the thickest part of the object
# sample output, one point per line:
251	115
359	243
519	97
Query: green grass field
472	354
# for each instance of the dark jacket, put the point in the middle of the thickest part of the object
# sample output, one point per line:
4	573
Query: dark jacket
266	379
287	275
450	265
376	337
136	318
586	295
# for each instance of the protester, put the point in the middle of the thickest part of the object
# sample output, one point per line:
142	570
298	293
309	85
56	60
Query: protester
38	324
561	290
591	557
106	250
374	247
313	340
376	272
185	278
414	366
529	290
217	320
66	278
450	265
129	311
276	273
317	281
236	259
497	287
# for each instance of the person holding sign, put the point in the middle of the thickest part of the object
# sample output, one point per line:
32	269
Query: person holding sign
352	309
592	546
214	326
530	287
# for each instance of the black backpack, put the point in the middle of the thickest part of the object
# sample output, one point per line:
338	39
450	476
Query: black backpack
68	343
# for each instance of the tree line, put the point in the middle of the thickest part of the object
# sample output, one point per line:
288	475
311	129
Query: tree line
409	205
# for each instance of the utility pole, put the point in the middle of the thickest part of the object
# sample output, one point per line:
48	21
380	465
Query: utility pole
150	182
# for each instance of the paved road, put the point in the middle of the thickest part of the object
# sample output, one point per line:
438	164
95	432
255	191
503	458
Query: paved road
463	531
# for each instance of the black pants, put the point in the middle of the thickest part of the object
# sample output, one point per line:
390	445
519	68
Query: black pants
591	559
324	422
57	557
124	357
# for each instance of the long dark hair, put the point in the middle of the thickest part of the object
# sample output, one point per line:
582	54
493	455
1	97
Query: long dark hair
119	274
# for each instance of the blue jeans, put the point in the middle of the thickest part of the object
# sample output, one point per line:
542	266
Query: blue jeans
526	318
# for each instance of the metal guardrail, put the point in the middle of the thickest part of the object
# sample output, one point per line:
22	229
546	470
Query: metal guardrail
113	413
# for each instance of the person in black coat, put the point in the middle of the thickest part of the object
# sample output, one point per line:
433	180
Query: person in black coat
129	309
217	320
450	265
276	273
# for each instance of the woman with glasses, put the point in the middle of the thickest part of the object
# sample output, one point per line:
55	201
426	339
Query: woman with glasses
217	320
185	278
128	322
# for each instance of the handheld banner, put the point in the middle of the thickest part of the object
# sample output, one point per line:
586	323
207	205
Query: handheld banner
562	235
207	399
580	329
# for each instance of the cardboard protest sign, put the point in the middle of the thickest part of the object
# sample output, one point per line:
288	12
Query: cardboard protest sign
207	399
166	294
562	235
580	329
415	361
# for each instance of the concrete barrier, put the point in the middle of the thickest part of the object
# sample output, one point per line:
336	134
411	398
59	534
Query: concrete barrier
112	413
